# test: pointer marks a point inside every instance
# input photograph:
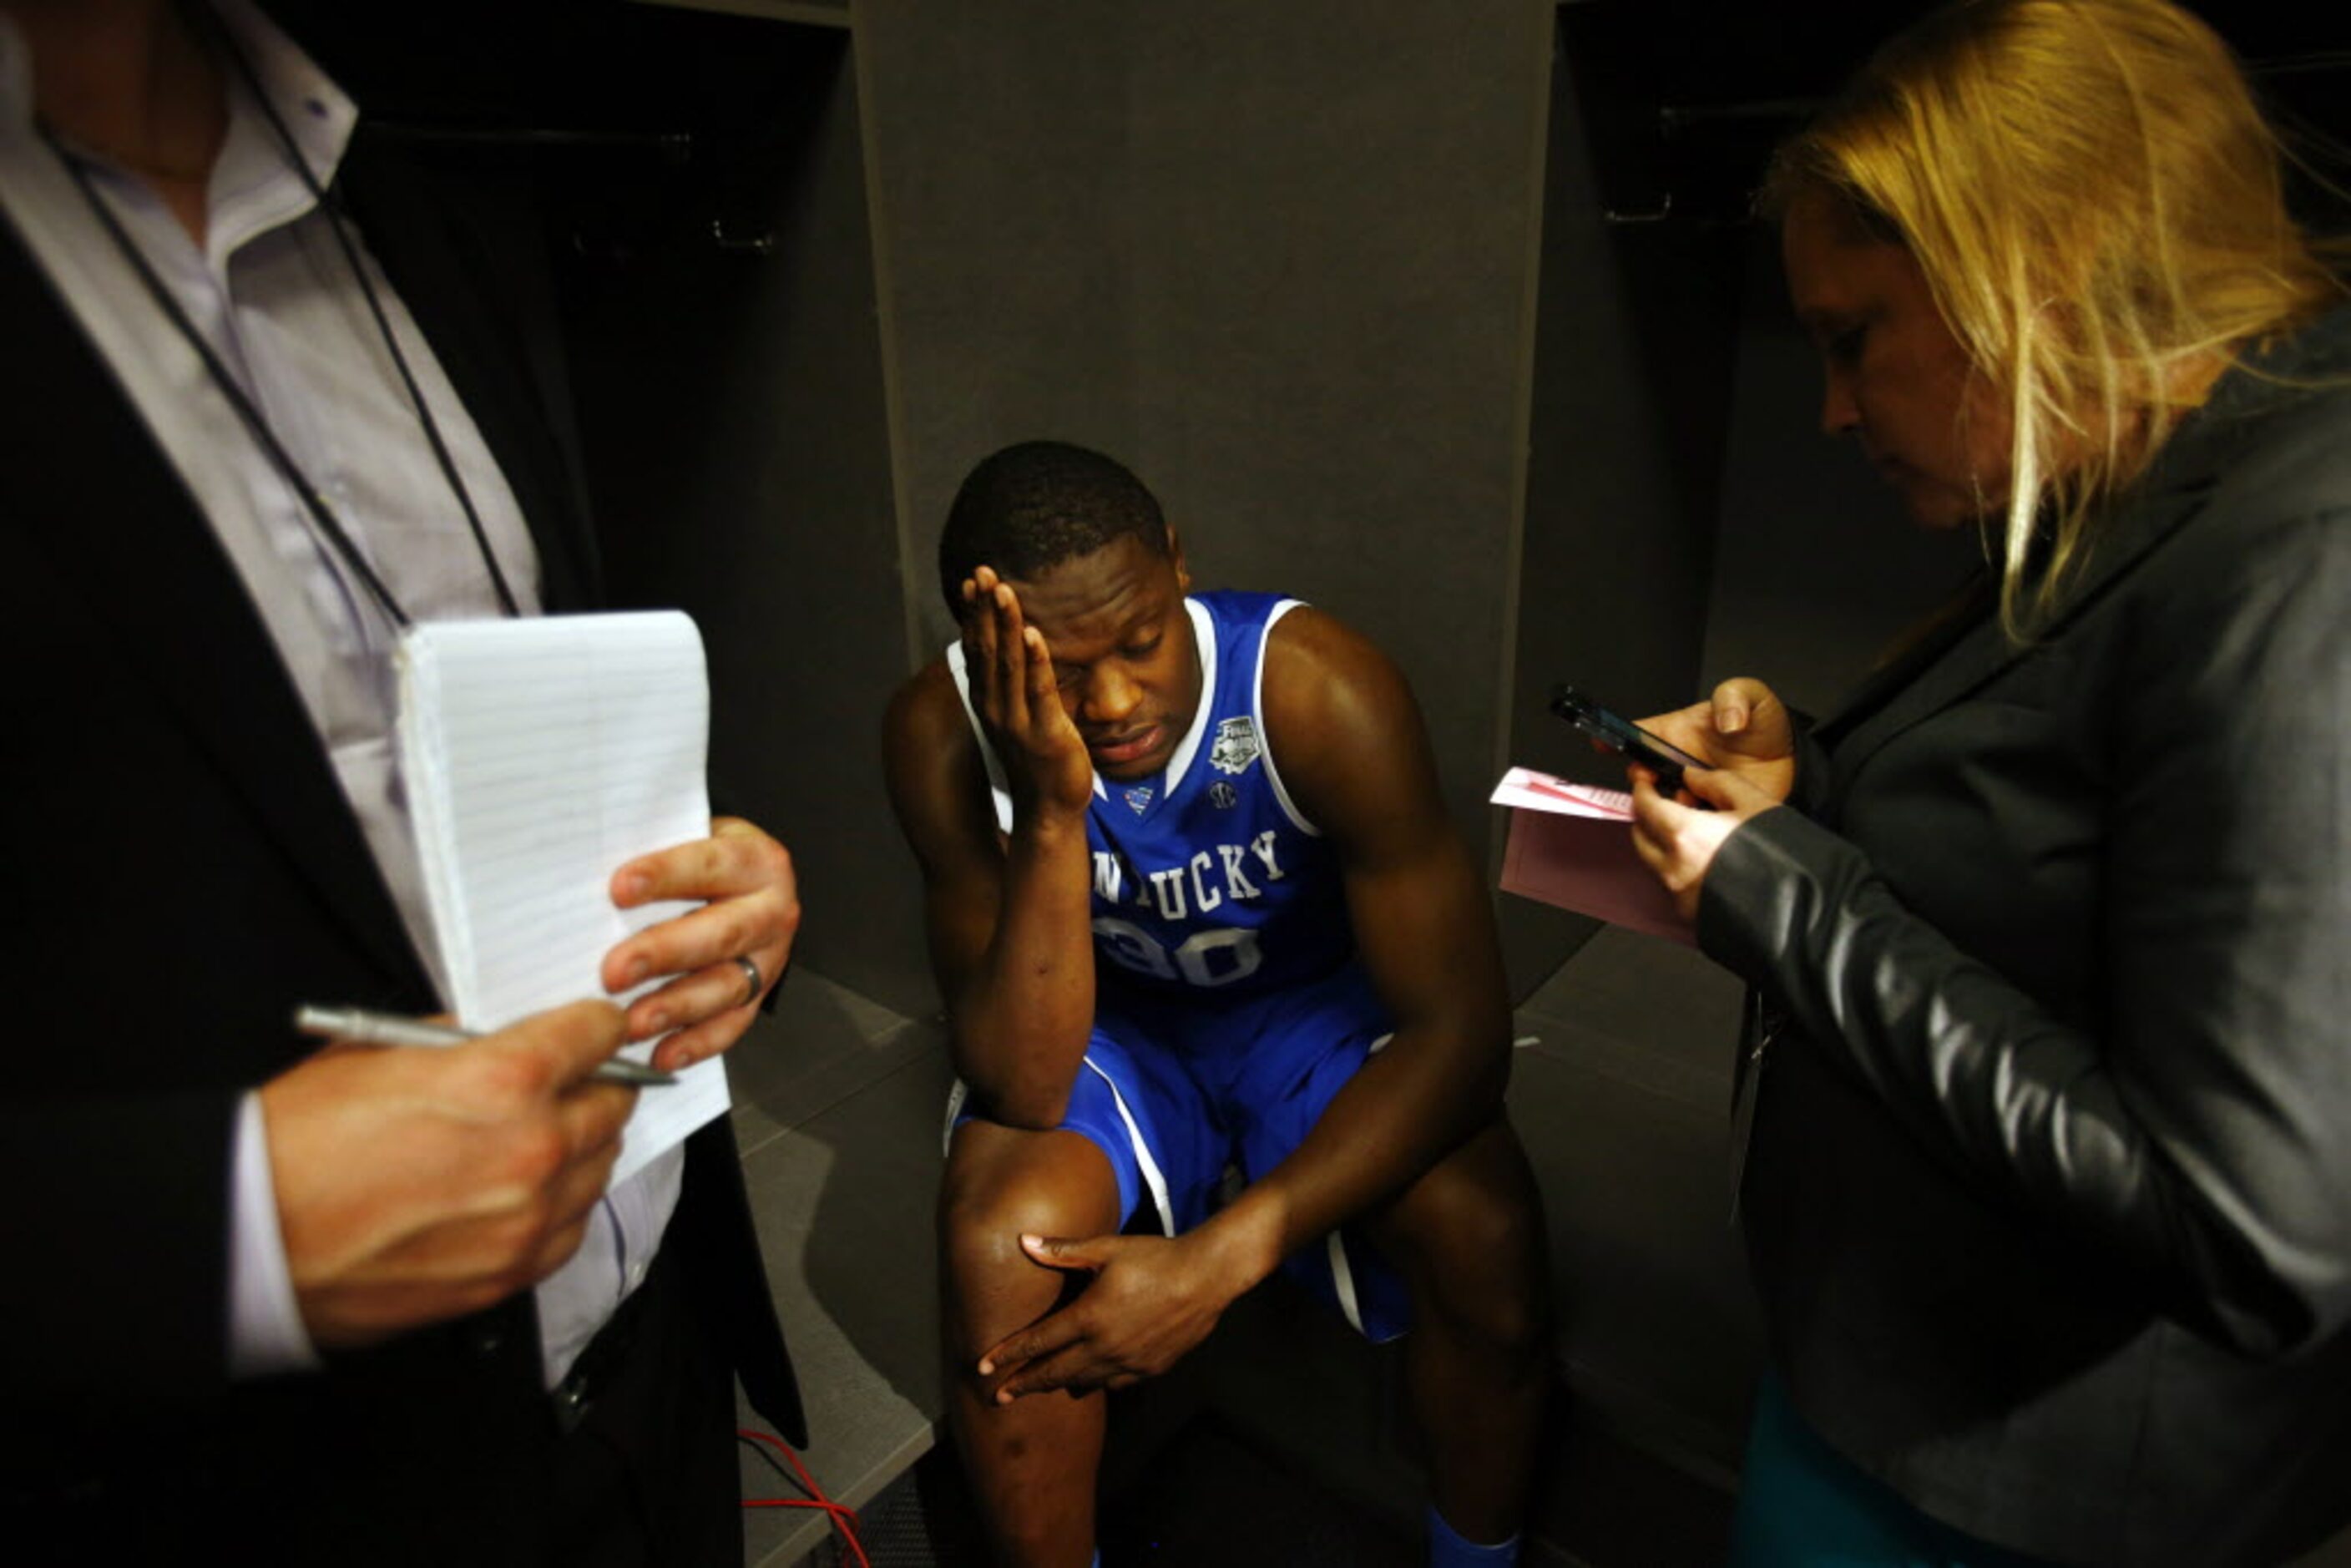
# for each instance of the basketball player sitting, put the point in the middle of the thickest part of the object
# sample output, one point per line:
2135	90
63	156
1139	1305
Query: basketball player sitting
1194	901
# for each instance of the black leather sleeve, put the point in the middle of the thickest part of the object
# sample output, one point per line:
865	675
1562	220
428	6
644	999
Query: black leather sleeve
2200	1130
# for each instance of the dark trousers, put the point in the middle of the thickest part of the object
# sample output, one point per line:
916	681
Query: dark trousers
648	1476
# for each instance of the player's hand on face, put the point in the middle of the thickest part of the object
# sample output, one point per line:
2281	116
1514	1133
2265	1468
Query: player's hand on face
751	908
1679	843
416	1185
1012	679
1742	729
1151	1300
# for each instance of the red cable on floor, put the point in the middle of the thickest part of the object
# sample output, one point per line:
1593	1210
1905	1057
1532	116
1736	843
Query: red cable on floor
844	1518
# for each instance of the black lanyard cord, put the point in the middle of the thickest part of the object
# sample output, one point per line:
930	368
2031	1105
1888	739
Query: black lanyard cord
242	401
375	308
230	389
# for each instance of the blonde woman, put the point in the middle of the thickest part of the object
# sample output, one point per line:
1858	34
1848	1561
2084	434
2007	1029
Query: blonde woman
2049	1192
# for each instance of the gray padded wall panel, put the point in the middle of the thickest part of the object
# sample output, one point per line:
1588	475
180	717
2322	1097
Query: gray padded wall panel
998	135
1330	302
1631	386
738	444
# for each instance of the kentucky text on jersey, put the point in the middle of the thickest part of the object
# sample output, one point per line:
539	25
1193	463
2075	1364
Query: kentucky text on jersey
1166	889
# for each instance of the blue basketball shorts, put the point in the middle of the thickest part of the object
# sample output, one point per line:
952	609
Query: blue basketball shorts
1176	1095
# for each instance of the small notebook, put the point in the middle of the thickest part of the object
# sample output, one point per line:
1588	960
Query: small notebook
538	755
1572	845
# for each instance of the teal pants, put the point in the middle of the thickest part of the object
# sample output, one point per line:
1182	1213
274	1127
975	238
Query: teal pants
1801	1504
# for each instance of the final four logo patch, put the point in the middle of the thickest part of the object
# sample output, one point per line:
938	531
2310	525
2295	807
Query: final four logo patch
1235	745
1138	797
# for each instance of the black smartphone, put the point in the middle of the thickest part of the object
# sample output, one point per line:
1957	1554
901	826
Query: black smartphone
1620	734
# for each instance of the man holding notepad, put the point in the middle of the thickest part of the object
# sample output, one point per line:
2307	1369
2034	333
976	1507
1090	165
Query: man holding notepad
357	1305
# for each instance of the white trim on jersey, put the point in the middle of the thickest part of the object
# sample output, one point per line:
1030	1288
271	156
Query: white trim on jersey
1152	1177
1342	1270
1265	735
1204	637
959	1094
1342	1280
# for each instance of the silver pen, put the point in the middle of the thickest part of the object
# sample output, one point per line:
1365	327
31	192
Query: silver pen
390	1028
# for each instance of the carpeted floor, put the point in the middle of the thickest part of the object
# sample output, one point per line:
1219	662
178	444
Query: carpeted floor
1208	1500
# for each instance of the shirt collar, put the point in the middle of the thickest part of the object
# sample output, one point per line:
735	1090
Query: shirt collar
255	187
317	114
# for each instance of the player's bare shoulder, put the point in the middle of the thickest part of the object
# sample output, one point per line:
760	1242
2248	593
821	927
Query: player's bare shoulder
1337	708
1324	681
926	715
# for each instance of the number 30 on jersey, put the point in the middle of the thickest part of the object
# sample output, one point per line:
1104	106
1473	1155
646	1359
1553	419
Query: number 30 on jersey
1207	958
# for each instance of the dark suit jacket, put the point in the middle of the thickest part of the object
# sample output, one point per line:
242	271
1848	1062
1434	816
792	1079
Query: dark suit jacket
185	870
2049	1201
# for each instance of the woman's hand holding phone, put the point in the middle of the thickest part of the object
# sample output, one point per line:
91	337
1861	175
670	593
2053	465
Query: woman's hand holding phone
1610	730
1744	733
1742	729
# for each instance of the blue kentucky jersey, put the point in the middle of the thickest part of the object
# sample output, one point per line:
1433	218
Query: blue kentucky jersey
1209	884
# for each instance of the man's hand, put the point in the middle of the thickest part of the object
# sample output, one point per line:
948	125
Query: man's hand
1741	729
1020	699
421	1184
751	907
1151	1300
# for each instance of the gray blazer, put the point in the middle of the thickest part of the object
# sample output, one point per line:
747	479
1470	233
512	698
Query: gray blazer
2049	1198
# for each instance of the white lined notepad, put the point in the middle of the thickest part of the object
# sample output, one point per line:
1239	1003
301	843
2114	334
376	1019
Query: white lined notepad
538	755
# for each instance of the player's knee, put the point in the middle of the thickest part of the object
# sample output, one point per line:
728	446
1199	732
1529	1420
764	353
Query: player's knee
1480	1268
980	1230
987	1203
1504	1312
1513	1324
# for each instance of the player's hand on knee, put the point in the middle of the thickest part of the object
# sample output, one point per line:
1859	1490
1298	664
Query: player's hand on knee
1150	1301
1019	698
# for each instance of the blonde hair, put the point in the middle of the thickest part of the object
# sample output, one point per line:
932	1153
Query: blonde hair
2098	206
